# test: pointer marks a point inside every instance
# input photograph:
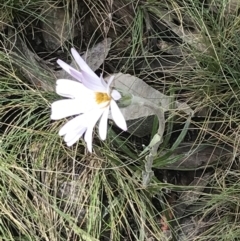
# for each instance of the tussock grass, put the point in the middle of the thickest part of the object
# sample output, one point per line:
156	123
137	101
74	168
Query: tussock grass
51	192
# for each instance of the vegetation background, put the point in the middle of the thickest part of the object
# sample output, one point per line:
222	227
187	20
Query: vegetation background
188	50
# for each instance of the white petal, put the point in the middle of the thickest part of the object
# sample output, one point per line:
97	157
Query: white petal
83	120
118	116
72	125
92	83
64	108
74	140
70	88
103	81
103	124
110	82
88	138
74	132
72	137
68	69
116	95
91	124
85	101
64	65
82	64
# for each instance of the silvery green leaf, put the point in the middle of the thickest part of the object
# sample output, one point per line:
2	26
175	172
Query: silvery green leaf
138	87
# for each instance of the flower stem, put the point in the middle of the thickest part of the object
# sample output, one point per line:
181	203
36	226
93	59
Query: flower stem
147	174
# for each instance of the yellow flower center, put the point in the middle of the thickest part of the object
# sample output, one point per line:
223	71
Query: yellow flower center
102	97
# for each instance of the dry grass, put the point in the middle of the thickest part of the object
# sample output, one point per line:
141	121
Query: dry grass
51	192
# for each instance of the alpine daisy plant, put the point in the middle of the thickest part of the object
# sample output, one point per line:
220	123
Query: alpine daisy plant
90	98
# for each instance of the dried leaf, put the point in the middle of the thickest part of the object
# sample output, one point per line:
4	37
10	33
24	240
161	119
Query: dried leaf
164	221
57	28
194	38
193	225
32	67
194	157
228	7
94	57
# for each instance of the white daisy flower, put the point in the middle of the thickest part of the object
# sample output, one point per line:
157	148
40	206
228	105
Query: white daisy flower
91	98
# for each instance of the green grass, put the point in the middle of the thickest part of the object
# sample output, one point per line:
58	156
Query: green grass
51	192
